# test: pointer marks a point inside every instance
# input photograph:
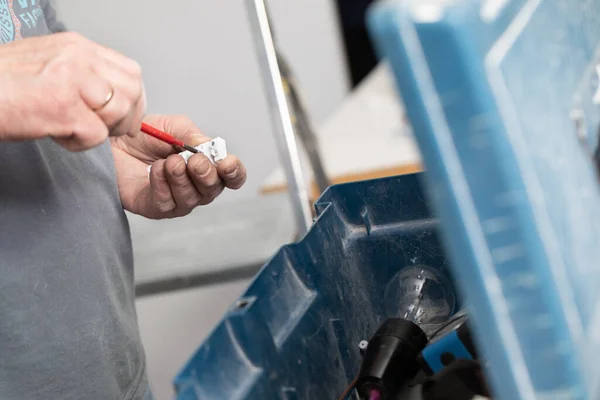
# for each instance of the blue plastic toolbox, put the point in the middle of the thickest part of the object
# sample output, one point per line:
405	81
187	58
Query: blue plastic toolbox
504	100
503	96
295	332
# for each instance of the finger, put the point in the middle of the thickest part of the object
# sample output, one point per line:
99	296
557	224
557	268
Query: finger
179	126
139	114
233	172
205	177
121	113
94	90
161	191
133	123
184	128
184	192
88	130
127	64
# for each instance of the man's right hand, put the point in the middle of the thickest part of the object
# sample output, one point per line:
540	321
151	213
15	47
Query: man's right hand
69	88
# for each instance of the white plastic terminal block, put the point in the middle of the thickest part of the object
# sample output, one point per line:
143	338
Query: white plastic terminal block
215	150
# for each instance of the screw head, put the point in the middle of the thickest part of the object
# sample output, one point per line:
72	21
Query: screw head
578	117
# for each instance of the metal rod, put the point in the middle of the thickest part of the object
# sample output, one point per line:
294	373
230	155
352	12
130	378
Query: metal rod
307	135
302	125
280	114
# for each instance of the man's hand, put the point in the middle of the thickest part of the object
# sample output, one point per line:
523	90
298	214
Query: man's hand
174	188
69	88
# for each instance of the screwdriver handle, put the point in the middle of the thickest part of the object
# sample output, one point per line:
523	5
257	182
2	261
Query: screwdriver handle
160	135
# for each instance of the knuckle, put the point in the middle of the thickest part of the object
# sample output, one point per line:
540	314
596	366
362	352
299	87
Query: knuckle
114	117
173	162
202	166
214	186
191	202
120	110
62	69
71	37
136	69
157	180
133	93
67	70
182	119
177	179
137	93
215	191
164	206
63	100
129	110
206	185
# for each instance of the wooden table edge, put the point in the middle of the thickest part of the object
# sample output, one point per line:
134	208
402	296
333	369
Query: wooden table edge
351	177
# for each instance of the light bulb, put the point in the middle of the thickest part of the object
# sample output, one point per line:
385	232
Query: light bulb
422	295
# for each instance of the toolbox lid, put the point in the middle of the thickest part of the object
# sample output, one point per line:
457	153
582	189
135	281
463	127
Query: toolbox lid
503	99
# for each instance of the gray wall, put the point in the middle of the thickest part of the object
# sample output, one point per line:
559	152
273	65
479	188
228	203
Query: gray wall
198	59
173	326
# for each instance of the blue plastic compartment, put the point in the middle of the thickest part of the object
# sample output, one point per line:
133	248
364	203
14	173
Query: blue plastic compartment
295	332
504	100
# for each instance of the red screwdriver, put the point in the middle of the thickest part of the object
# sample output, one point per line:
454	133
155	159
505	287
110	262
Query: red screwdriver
165	137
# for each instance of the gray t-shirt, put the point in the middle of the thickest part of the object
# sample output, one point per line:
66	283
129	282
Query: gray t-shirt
68	326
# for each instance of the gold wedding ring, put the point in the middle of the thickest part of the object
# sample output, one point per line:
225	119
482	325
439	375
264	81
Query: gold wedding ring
107	100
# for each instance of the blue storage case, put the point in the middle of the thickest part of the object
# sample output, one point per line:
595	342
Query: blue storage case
503	96
295	332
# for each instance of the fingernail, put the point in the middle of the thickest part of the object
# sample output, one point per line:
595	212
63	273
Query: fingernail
232	175
179	170
203	168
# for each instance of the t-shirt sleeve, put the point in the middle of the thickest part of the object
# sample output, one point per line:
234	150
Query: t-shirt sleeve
51	20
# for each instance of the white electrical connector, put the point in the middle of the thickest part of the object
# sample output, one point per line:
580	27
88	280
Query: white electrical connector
215	151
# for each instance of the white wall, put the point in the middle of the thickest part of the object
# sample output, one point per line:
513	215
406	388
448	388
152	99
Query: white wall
199	59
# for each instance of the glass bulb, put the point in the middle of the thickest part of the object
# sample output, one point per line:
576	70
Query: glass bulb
422	295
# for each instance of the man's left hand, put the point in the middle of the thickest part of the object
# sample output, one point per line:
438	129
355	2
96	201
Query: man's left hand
174	189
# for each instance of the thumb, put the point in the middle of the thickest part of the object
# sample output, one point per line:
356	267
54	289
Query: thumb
183	128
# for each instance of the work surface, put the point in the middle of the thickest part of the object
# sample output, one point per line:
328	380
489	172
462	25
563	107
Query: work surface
367	137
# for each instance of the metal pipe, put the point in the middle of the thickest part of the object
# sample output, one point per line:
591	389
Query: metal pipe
280	114
303	126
